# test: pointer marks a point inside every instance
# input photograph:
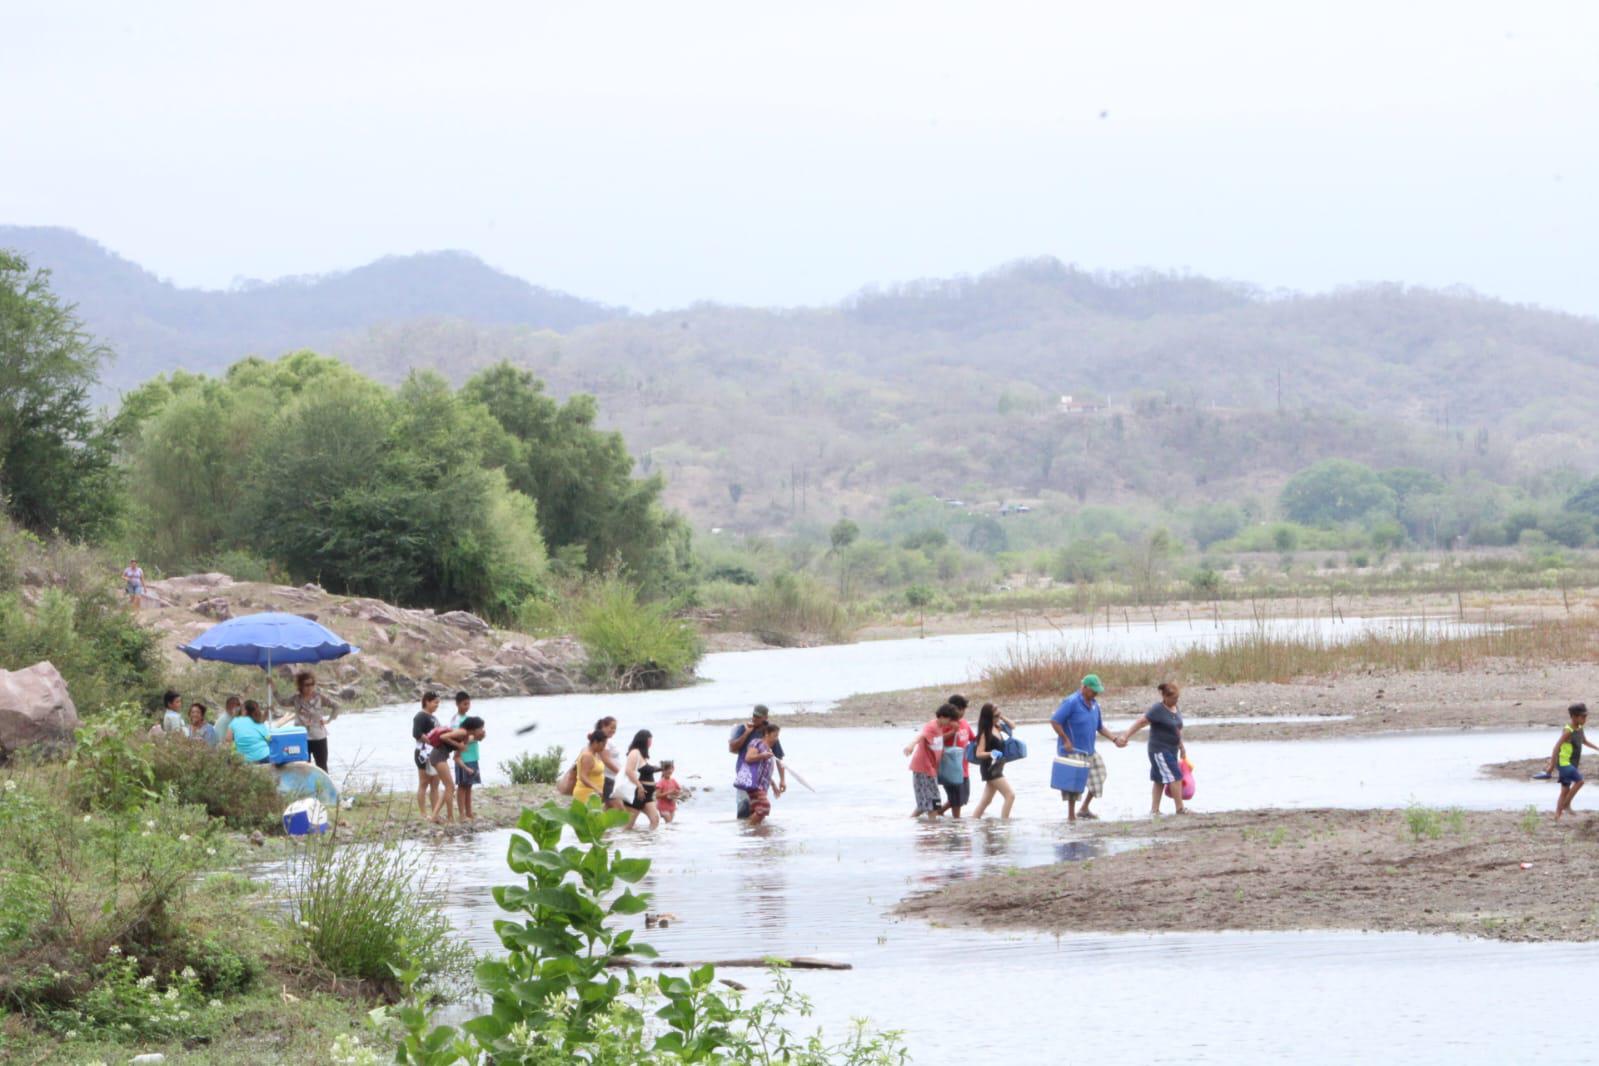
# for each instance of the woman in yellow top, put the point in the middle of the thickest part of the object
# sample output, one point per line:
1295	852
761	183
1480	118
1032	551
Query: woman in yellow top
591	769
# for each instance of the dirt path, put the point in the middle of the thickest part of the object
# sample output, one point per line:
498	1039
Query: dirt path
1503	695
1421	870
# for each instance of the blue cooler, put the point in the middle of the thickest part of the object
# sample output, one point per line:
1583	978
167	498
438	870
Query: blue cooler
288	745
1070	772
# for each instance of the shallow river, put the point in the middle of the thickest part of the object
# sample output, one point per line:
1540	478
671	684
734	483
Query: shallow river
821	877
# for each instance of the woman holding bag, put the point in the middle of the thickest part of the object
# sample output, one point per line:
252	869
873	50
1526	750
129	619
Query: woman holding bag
1167	752
927	752
993	729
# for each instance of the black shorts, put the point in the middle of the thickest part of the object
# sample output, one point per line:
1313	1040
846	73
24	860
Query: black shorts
610	787
989	770
959	795
642	796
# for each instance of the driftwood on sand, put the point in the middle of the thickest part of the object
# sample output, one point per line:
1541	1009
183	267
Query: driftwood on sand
798	962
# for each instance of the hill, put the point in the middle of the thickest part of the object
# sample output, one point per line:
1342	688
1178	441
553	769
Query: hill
1184	390
155	326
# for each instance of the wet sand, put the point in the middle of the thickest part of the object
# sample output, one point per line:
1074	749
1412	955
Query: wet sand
1503	695
1300	870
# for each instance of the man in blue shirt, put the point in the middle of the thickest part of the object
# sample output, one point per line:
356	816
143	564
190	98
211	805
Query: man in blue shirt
1077	721
739	742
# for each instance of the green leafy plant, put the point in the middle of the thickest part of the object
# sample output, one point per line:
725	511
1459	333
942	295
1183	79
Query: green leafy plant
244	796
559	995
531	769
111	764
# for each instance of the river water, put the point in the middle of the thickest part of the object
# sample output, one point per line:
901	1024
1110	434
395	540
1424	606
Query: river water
820	878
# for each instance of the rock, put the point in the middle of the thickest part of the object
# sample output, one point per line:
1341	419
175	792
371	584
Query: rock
257	838
35	708
216	607
464	620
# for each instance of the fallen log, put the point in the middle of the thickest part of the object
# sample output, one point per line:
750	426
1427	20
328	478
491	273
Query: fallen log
798	962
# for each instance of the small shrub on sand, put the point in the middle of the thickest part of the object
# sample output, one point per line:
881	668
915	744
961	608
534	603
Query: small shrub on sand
634	645
530	769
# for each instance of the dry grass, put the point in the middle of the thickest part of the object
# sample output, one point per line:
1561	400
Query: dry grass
1259	654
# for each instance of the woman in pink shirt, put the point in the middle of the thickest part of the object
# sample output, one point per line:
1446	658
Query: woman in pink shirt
925	751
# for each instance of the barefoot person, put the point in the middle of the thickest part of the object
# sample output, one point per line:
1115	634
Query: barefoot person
613	766
641	775
447	744
1166	747
1567	756
925	752
959	796
739	742
590	779
1077	721
427	777
667	791
133	583
468	774
992	728
755	772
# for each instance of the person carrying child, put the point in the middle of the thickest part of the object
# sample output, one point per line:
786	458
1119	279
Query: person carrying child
443	745
755	771
1567	756
667	790
467	771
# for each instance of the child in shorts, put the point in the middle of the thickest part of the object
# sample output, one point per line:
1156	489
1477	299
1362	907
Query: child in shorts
1567	756
667	790
467	771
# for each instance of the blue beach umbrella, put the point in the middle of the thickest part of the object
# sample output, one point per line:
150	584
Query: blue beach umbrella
268	639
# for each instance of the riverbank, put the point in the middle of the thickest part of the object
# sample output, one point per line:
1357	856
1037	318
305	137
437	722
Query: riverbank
1502	695
1498	875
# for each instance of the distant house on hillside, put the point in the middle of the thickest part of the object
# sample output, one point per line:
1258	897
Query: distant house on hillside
1077	405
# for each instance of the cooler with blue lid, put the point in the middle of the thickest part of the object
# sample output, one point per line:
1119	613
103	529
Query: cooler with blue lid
288	744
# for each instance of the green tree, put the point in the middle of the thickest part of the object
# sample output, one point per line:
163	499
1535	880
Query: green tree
843	534
581	479
55	455
1333	491
1215	522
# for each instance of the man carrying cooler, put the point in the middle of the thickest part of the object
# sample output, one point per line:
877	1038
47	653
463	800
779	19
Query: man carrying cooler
1077	721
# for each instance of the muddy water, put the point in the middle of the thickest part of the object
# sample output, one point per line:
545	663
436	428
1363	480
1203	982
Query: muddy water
820	878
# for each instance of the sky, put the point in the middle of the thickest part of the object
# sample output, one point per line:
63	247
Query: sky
657	154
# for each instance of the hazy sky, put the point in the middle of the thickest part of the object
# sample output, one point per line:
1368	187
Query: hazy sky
657	153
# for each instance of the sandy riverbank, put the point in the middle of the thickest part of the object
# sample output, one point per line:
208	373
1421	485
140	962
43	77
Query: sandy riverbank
1501	695
1321	869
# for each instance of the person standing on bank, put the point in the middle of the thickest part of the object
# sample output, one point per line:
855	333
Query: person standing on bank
313	711
1077	721
964	734
739	743
427	776
1166	747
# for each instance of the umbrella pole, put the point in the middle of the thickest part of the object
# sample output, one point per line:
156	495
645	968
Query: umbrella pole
269	684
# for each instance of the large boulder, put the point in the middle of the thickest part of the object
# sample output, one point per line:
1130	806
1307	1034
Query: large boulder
35	708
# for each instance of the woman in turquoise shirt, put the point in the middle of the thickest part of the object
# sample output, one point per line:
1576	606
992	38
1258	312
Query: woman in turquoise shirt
249	733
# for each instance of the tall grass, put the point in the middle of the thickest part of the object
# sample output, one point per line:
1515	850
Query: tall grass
362	908
1261	654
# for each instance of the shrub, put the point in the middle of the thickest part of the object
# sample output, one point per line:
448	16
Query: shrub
361	908
104	656
244	796
633	645
530	769
113	771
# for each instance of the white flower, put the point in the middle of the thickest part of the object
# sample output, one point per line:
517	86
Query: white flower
125	1025
183	838
11	786
88	818
72	1034
213	1003
211	852
172	994
145	833
183	1015
113	949
188	973
150	824
147	980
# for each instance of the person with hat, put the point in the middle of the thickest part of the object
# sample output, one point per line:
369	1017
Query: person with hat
739	743
1077	721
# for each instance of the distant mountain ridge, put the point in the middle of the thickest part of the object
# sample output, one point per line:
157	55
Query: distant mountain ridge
155	326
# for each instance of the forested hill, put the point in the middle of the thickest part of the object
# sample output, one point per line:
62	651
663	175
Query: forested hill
153	325
1185	390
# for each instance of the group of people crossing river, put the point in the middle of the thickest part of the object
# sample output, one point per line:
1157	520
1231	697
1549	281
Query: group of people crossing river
942	757
943	751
